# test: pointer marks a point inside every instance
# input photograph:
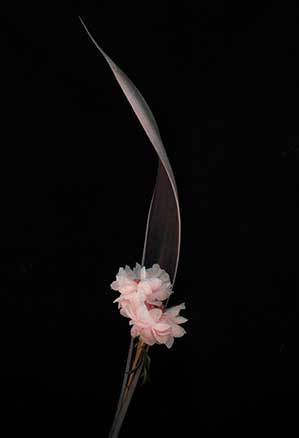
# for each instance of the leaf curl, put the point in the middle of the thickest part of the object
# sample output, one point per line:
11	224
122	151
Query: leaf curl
163	229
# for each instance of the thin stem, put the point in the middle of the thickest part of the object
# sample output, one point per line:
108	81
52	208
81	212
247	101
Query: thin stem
140	348
126	402
124	385
128	387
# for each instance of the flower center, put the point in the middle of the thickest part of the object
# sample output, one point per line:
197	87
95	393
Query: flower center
152	306
137	280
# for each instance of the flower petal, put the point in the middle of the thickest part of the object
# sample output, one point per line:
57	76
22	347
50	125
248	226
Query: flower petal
155	314
178	331
170	342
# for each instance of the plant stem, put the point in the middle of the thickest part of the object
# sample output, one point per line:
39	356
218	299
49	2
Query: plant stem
140	347
124	385
125	404
128	387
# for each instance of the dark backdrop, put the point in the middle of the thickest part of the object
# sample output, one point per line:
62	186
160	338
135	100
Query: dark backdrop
77	174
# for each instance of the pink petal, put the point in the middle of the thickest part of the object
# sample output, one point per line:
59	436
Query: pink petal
114	285
170	342
155	314
174	311
162	327
180	320
144	287
147	336
154	283
161	338
134	331
178	331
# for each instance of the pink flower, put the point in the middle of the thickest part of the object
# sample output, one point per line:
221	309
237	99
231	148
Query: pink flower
141	294
154	324
153	284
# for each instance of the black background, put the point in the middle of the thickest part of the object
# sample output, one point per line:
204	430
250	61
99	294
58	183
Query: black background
77	174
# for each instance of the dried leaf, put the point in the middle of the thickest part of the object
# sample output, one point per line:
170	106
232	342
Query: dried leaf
163	230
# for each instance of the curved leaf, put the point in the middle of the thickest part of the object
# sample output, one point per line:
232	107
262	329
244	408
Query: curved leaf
163	230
